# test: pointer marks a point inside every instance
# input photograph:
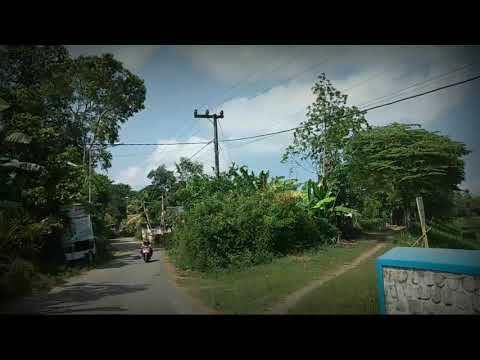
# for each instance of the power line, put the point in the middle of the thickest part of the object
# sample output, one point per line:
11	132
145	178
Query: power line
362	110
154	144
203	147
424	93
395	93
272	70
240	82
290	78
376	75
262	135
299	127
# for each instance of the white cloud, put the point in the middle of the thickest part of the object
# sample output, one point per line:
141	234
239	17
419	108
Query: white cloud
133	176
284	107
230	64
169	155
384	71
134	57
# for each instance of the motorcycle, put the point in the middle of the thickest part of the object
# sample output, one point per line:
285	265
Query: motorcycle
146	252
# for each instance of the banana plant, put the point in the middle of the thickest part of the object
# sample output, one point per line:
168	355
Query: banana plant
321	200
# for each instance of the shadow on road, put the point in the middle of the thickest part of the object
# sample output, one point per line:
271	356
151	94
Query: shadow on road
125	245
120	261
72	310
85	292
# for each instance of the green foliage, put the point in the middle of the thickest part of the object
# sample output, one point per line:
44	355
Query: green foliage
102	96
393	164
240	219
53	109
237	179
442	235
322	138
186	169
321	201
163	178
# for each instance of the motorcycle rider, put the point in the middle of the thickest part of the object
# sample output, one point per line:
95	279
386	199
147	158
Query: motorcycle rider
148	245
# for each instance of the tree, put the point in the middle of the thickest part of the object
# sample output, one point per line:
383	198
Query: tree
322	138
186	169
104	95
400	162
32	82
58	108
163	179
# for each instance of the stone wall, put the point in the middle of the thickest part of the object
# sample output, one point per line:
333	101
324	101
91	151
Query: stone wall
411	291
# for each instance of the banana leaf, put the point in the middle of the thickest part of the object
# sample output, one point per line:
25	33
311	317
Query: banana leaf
324	202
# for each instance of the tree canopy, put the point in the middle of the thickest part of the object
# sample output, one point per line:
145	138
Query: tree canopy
322	137
187	168
404	161
54	109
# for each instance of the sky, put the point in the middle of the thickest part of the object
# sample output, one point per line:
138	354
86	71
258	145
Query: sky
264	88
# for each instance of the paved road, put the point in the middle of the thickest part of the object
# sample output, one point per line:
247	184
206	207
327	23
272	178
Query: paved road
126	285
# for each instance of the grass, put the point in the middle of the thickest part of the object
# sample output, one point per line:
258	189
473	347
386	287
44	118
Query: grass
256	289
458	233
352	293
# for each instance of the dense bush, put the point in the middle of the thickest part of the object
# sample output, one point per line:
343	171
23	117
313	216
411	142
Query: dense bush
234	230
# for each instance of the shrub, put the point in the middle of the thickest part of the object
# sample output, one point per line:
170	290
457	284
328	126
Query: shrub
236	230
163	240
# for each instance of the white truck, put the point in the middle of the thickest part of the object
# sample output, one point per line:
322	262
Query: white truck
79	240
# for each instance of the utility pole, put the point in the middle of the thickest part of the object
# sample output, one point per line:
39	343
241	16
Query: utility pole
90	176
162	218
215	135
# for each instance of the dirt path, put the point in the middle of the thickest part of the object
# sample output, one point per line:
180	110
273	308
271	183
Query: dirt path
293	298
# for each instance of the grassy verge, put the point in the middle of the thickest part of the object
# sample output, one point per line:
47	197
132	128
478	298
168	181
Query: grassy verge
354	292
257	289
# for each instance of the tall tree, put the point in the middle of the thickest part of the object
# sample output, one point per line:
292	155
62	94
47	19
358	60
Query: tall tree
104	96
405	161
59	107
322	137
162	178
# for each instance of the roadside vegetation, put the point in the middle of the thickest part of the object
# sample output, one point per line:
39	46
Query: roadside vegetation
241	233
256	289
239	230
57	115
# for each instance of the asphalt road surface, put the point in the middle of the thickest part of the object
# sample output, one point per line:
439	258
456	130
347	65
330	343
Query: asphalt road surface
126	285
